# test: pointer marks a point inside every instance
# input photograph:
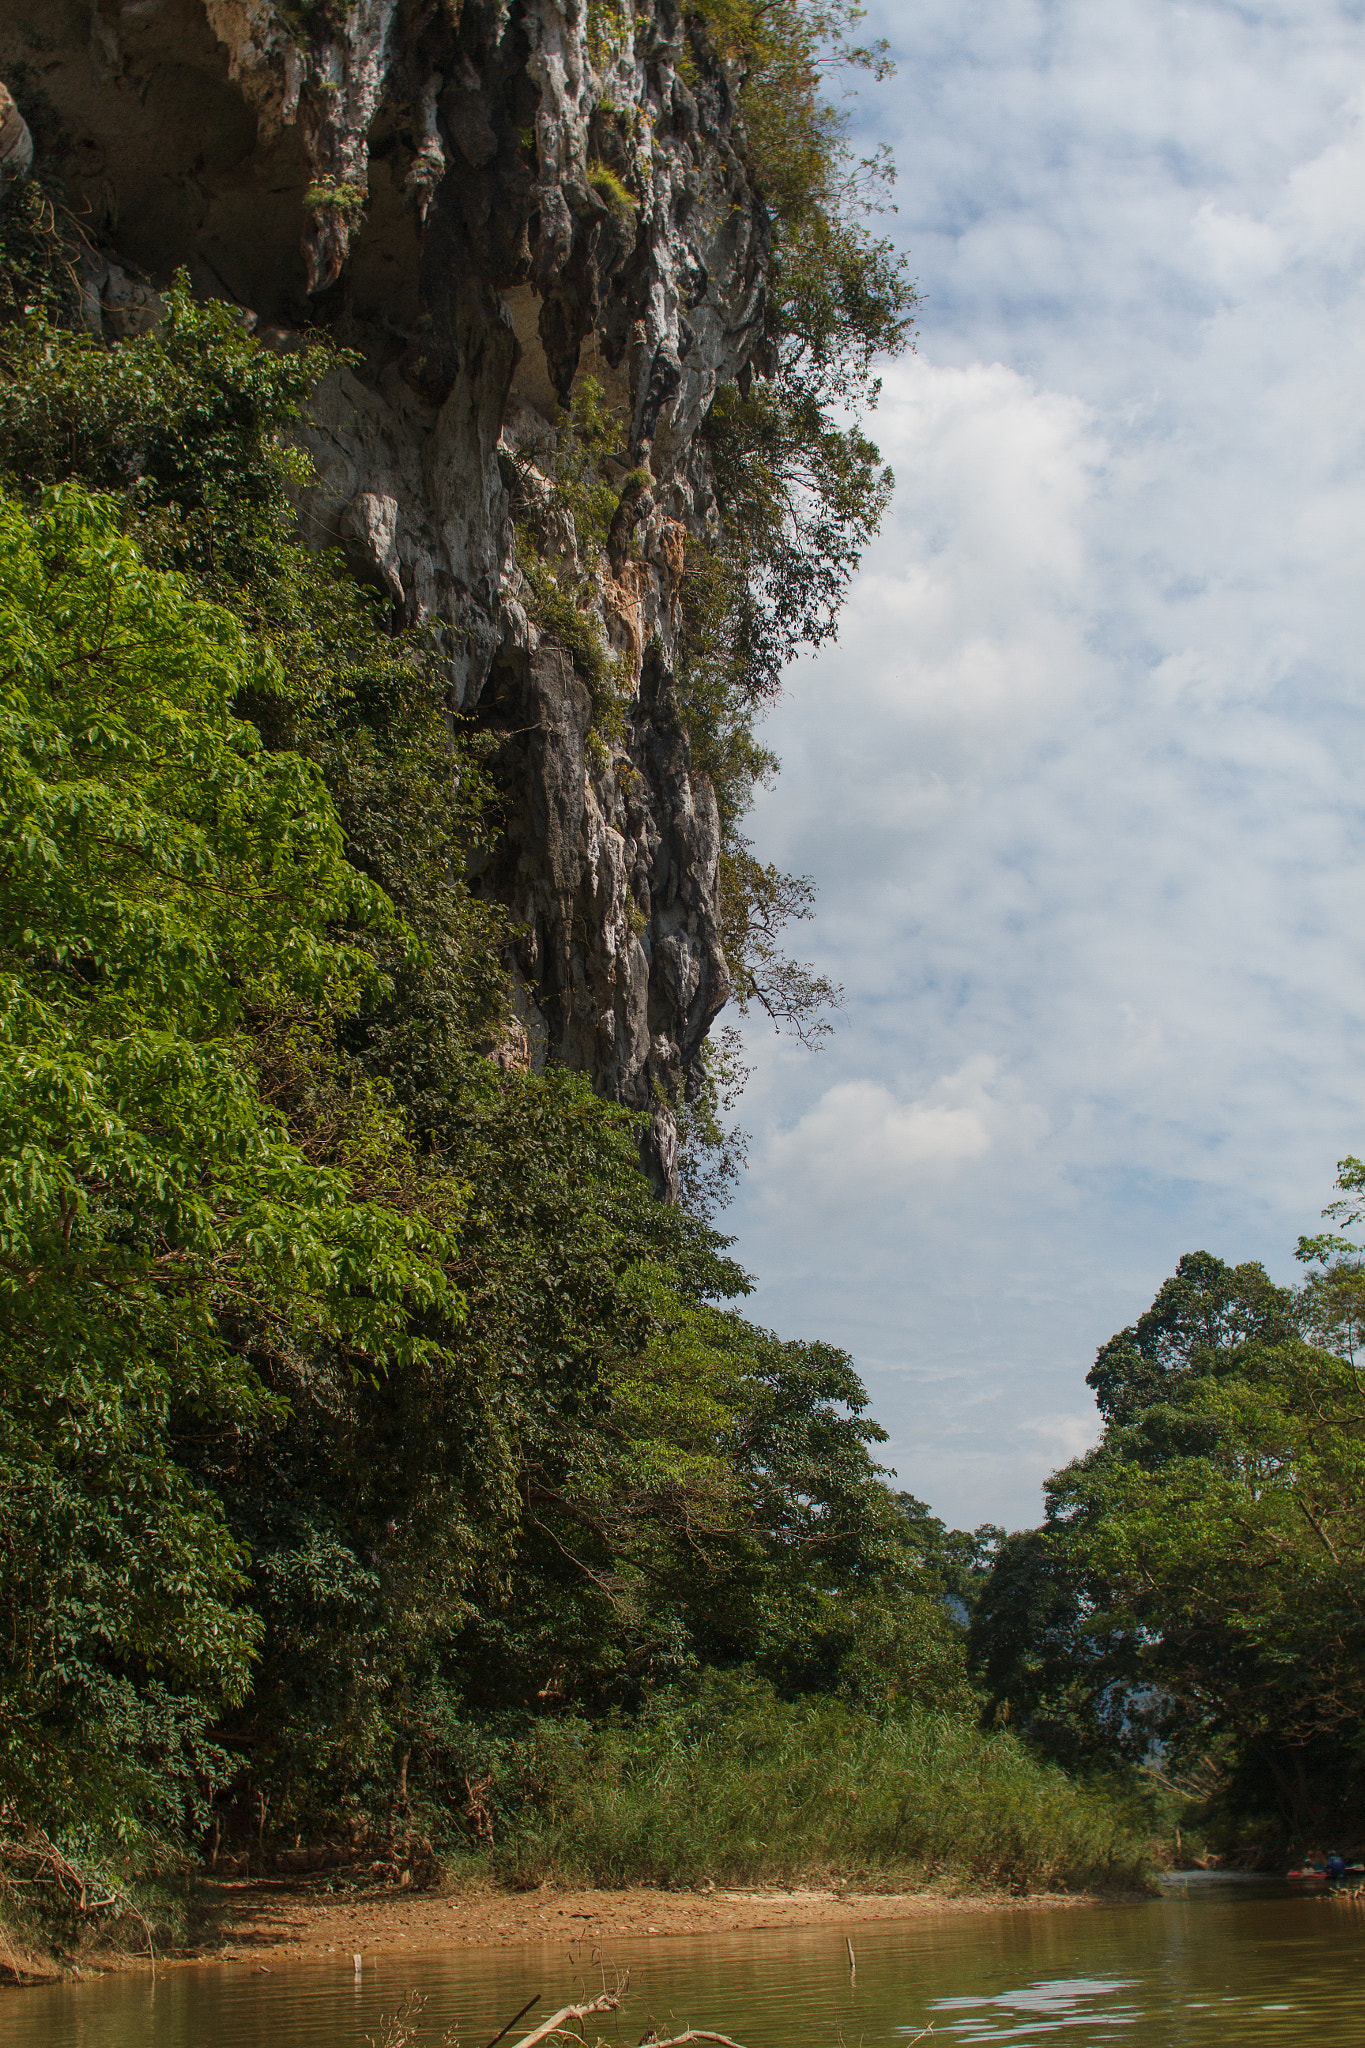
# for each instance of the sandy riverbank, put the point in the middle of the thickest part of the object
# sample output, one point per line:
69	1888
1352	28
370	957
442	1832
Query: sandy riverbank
261	1923
298	1925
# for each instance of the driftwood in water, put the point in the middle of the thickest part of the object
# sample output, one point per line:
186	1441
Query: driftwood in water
558	2021
692	2034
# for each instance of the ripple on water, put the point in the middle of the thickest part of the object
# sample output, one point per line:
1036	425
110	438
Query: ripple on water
1050	2005
1203	1968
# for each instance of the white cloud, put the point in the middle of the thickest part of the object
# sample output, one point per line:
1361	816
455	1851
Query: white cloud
1080	787
1235	251
1323	212
996	476
860	1138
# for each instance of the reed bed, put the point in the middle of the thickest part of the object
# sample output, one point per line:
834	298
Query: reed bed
778	1791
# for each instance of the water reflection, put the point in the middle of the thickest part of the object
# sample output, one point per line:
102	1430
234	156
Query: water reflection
1200	1968
1058	2002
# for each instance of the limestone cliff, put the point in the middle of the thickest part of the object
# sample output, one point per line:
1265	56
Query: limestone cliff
487	201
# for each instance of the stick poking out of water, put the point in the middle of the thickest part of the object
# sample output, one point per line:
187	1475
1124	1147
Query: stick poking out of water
852	1959
512	2022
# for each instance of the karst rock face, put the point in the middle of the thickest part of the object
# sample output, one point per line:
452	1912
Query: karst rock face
487	203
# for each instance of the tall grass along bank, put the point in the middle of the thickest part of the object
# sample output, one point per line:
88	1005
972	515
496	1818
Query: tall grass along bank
760	1790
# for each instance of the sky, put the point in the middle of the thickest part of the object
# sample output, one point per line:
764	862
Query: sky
1080	786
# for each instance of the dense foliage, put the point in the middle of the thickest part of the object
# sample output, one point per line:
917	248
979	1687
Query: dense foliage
362	1406
380	1464
686	1791
1195	1602
168	900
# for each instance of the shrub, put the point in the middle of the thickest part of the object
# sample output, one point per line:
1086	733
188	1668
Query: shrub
605	181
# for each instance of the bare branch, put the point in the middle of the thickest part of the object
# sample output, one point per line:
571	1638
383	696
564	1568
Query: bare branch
558	2022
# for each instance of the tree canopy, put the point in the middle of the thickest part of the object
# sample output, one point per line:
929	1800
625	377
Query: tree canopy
1195	1600
365	1417
171	900
359	1394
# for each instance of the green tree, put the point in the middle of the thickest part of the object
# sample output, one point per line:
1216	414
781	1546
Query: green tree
1029	1650
720	1507
1202	1319
168	891
410	1411
1235	1576
1196	1594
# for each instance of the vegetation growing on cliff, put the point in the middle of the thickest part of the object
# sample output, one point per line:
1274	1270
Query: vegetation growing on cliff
359	1395
800	487
371	1438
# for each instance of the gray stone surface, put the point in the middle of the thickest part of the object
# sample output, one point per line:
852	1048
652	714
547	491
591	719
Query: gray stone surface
417	175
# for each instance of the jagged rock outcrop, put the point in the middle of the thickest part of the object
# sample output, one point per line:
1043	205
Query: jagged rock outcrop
16	142
487	202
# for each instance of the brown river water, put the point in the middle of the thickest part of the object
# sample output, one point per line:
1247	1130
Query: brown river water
1210	1961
